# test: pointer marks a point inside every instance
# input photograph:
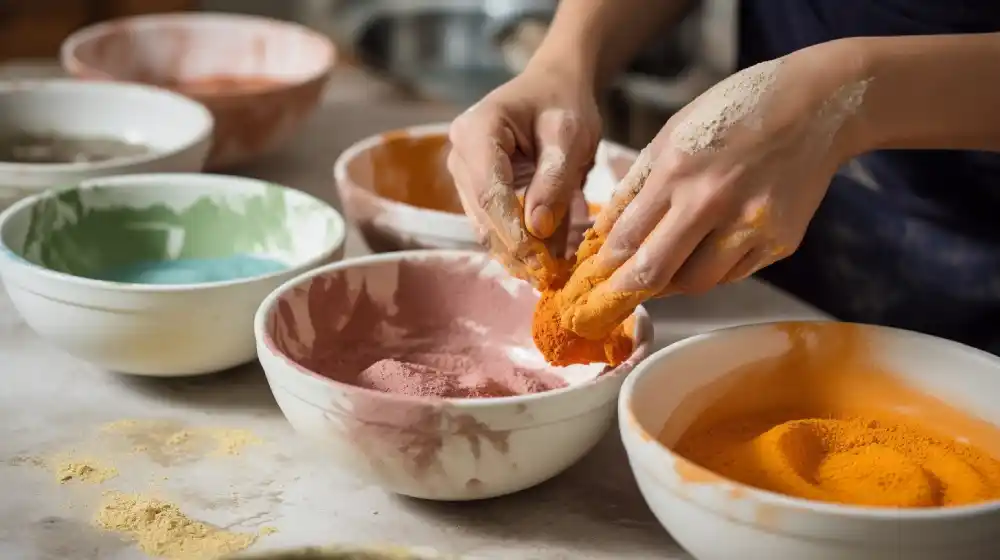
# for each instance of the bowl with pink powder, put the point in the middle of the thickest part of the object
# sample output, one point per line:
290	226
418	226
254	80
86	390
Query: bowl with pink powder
418	369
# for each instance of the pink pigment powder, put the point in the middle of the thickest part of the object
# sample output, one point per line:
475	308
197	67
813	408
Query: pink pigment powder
438	332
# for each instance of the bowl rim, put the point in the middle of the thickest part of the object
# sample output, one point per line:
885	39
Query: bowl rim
177	181
64	86
73	64
773	499
643	329
343	180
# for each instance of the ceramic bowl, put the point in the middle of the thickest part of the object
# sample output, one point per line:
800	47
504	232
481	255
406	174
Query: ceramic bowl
379	177
54	247
284	68
176	130
717	519
344	553
432	448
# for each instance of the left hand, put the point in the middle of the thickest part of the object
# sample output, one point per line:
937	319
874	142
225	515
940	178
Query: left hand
729	184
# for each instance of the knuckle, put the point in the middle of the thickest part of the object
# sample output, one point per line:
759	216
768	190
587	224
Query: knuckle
648	275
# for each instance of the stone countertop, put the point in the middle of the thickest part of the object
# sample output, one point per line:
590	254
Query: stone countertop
53	404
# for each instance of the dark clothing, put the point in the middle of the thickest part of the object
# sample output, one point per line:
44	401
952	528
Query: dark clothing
905	238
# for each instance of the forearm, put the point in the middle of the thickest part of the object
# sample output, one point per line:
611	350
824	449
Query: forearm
930	92
597	38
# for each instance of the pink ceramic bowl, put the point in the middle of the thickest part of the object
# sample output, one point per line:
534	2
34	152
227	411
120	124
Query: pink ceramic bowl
311	329
396	188
259	77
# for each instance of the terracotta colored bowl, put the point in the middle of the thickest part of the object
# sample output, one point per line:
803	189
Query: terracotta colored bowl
259	77
396	188
309	332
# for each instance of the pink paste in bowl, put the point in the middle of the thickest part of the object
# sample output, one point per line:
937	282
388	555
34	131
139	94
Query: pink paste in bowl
425	328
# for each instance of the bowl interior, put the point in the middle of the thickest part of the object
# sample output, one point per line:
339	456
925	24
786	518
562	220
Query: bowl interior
907	375
107	224
173	48
160	121
457	312
410	166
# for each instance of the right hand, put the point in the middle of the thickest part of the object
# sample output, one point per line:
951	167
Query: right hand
539	130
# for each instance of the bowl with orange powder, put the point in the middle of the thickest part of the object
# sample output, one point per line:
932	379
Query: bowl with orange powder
396	188
260	77
819	440
418	369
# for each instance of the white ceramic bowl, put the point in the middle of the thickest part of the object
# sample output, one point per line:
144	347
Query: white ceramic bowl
53	245
717	519
177	130
290	63
432	448
390	225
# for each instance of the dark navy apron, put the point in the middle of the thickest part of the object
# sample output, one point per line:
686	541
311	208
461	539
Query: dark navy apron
903	238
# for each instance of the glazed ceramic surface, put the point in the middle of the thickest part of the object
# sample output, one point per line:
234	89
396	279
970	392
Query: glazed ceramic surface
389	225
177	131
716	519
54	245
443	449
177	49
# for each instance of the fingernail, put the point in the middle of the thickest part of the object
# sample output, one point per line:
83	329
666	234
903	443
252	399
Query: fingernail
543	222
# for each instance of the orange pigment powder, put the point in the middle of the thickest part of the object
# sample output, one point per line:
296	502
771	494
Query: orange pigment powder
560	345
822	422
411	170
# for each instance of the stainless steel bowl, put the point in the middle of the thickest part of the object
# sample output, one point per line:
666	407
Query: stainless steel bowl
441	50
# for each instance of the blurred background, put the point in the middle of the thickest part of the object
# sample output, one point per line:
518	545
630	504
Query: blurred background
435	51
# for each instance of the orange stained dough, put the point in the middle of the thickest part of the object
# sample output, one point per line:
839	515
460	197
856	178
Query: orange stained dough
560	345
823	423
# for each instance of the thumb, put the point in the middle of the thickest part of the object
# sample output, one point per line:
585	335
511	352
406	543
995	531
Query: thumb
563	158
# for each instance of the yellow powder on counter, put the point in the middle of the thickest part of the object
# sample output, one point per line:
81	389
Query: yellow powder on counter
83	470
160	529
232	442
170	441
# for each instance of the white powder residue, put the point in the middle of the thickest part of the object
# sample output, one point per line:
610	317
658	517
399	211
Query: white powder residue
729	102
843	104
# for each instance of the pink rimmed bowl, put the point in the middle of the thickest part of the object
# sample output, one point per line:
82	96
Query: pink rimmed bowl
283	66
432	448
377	177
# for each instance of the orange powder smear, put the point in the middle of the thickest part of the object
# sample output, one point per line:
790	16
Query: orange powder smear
411	170
824	423
560	345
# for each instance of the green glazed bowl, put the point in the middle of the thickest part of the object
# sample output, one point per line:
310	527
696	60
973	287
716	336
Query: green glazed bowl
76	264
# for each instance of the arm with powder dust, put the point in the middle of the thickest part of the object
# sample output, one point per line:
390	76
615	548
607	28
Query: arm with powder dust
733	180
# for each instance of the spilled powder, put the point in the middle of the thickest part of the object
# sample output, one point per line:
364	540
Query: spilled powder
87	471
161	530
843	104
171	439
726	104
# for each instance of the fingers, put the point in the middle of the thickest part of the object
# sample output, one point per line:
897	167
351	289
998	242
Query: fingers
563	159
481	164
712	261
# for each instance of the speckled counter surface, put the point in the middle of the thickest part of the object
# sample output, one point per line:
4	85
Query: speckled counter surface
51	403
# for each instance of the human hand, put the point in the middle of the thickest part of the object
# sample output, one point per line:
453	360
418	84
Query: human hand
727	187
538	131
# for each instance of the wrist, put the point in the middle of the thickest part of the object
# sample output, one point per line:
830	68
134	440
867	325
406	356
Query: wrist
842	71
574	65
